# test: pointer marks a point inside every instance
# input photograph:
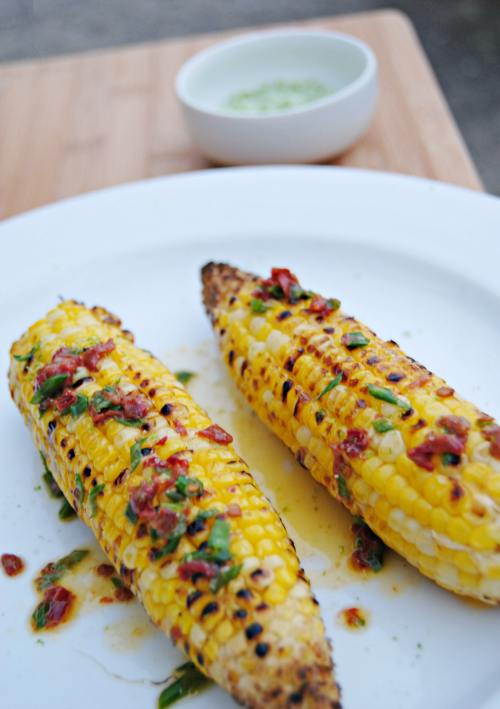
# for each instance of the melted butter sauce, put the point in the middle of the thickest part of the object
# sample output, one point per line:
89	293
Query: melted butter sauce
318	524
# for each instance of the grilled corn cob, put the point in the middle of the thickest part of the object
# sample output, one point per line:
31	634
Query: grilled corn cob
173	507
387	438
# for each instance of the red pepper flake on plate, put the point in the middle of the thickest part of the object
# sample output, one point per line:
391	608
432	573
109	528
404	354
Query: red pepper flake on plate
12	564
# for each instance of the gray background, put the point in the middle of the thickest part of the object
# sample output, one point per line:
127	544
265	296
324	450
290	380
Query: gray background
461	38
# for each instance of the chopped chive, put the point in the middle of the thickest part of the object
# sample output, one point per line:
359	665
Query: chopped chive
48	388
224	577
134	424
343	490
135	454
93	498
320	415
40	615
169	547
219	535
66	511
184	377
80	488
276	291
48	478
258	306
111	390
220	557
386	395
81	404
450	459
31	353
355	339
57	570
382	425
189	681
333	303
189	487
131	515
206	514
330	386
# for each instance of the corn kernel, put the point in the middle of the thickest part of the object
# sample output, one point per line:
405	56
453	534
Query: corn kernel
381	476
265	547
435	487
485	538
224	631
459	530
475	472
407	498
361	491
275	593
439	520
395	485
383	508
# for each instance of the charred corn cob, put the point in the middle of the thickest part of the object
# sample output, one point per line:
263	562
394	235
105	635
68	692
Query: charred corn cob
173	507
387	438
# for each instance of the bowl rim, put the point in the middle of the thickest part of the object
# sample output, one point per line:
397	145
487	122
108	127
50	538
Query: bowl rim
367	75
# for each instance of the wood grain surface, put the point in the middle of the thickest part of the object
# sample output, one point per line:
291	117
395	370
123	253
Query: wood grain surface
78	123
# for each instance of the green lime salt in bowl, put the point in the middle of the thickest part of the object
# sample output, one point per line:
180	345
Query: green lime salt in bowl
287	96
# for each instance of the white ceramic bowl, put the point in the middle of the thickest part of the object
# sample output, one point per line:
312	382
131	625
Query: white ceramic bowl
311	132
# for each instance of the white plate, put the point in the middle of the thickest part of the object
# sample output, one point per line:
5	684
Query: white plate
416	260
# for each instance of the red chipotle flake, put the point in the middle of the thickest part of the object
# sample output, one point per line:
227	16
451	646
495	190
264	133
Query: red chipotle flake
282	277
92	356
54	608
492	433
440	443
217	434
355	442
12	564
67	399
180	428
189	568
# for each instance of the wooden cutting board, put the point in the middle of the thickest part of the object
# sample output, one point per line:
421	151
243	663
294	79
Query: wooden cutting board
81	122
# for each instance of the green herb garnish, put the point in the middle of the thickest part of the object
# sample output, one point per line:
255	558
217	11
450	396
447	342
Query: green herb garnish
320	415
189	487
206	514
131	515
330	386
184	377
135	454
101	402
276	291
80	489
333	303
57	570
93	498
386	395
355	339
258	306
118	583
343	490
219	536
219	557
48	478
40	615
450	459
48	388
81	404
66	511
189	680
382	425
134	424
30	355
224	577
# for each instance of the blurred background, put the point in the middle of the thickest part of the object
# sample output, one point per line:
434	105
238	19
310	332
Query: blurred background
461	38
